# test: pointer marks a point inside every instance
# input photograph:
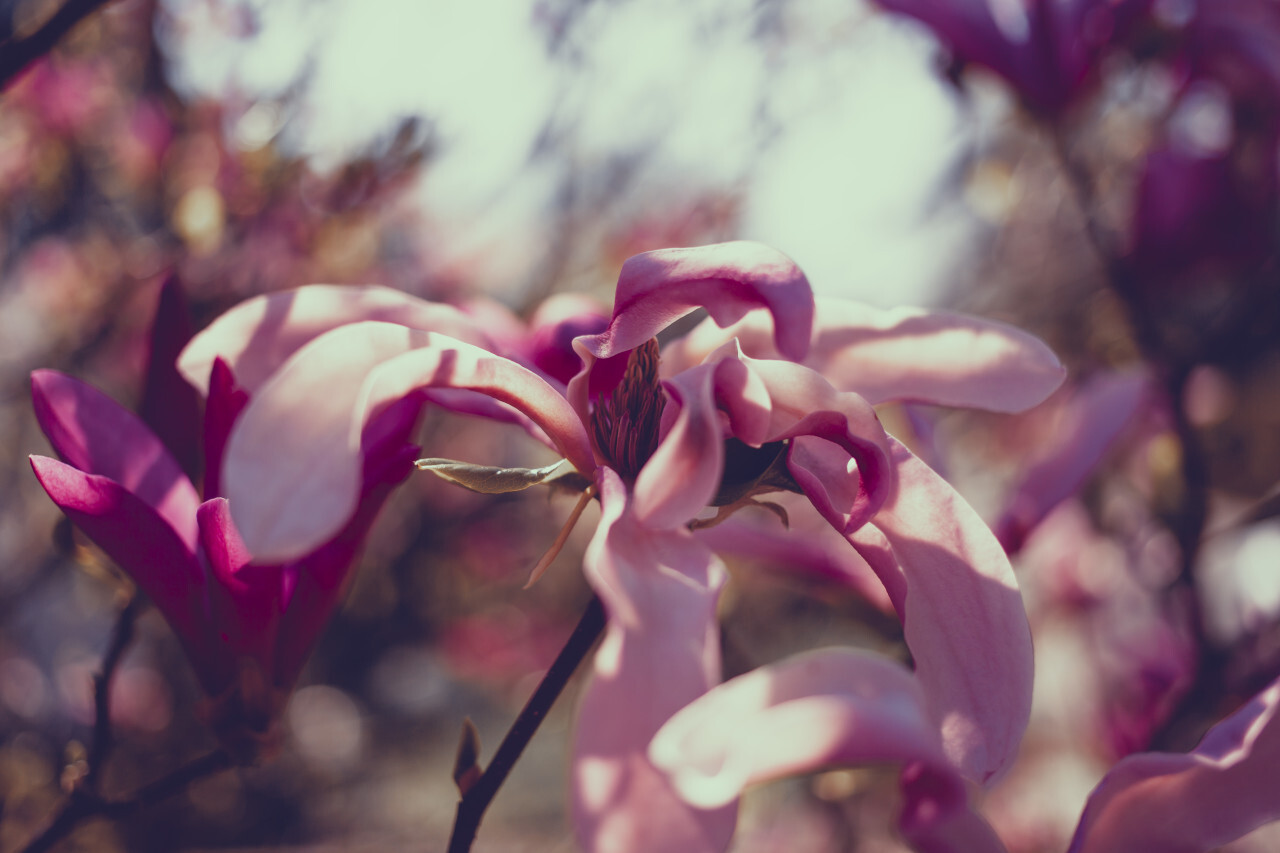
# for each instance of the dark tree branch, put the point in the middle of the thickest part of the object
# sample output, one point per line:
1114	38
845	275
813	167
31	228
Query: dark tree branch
475	801
17	53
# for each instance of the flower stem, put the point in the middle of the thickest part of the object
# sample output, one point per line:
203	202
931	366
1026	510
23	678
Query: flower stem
475	801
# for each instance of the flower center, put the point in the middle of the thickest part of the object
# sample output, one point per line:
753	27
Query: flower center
624	425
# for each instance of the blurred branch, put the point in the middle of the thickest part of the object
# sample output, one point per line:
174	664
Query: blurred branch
17	53
84	800
1191	510
84	804
472	806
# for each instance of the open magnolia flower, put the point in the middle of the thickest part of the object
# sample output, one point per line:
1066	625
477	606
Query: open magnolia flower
664	451
247	625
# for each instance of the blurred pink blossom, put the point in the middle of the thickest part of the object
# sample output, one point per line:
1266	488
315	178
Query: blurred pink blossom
1047	50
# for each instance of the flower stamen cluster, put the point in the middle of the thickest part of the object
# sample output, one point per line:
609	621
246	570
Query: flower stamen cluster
624	425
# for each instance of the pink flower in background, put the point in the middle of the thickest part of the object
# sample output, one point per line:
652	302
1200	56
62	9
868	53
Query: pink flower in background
719	431
1047	50
246	626
1192	803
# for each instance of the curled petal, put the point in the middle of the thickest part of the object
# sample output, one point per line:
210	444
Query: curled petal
257	336
660	651
829	708
805	406
728	279
146	547
906	354
962	615
293	466
93	433
814	711
1195	802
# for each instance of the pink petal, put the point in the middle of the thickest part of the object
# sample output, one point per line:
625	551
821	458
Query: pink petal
1096	415
559	319
293	462
226	401
169	405
145	546
936	816
244	599
683	474
906	354
832	428
823	709
728	279
322	575
260	334
1190	803
962	614
92	432
660	651
810	549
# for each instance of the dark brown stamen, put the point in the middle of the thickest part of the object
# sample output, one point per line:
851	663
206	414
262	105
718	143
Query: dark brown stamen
624	426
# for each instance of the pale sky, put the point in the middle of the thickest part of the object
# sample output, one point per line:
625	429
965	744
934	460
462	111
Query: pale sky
836	135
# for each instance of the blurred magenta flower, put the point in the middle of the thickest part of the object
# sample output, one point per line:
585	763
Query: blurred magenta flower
721	430
246	626
1046	50
1208	198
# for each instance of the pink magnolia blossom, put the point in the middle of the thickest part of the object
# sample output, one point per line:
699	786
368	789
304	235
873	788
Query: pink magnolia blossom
1047	50
246	626
660	451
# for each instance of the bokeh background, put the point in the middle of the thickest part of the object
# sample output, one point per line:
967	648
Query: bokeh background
516	149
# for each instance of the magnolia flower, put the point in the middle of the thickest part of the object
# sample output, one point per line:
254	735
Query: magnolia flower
662	449
247	626
1047	50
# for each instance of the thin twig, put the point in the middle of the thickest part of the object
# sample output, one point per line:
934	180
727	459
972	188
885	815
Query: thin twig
472	806
85	801
17	53
100	746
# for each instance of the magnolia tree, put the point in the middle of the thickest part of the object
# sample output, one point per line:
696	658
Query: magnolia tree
720	417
